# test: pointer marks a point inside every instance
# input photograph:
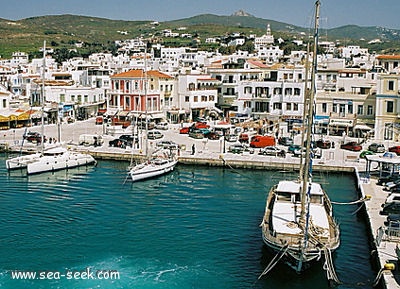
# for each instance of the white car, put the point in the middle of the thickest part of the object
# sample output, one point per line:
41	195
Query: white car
162	125
272	151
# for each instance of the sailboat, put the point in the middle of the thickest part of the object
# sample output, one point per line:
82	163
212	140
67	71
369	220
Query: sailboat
52	159
160	162
298	223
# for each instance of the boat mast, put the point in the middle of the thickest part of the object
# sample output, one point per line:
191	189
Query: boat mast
145	101
42	95
307	165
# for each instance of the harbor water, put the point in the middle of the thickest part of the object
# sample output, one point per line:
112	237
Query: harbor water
197	227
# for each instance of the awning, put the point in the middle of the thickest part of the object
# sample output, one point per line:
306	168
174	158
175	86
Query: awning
362	127
341	122
123	113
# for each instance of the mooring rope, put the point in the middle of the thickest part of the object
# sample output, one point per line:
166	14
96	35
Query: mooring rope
329	267
362	200
274	261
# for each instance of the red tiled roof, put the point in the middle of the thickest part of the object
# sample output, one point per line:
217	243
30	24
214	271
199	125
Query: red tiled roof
139	73
394	57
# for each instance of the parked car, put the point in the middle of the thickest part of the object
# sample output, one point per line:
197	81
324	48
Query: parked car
240	148
316	153
33	136
351	146
365	153
272	151
323	144
212	135
388	186
167	144
231	137
383	180
286	141
293	148
376	148
118	143
196	133
244	137
154	135
391	205
129	138
162	125
395	149
184	130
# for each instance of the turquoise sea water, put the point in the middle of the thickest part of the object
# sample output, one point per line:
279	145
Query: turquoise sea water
197	227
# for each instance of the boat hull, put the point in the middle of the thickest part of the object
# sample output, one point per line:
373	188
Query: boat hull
59	162
151	170
21	162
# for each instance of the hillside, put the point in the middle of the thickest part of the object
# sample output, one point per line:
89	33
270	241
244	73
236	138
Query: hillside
62	31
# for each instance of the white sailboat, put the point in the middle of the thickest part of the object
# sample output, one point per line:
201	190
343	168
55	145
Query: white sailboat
155	165
52	159
298	223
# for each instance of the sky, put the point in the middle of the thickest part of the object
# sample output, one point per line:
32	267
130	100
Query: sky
334	13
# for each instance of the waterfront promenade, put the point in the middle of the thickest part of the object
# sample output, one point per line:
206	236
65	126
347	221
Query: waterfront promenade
211	153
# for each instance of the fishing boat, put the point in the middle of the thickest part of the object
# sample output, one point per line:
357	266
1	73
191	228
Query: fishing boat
52	159
298	223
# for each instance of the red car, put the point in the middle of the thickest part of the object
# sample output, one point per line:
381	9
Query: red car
184	130
395	149
351	146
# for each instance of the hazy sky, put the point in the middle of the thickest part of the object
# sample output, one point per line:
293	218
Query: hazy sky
334	13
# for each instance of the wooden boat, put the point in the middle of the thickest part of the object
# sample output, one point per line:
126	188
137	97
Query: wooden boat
298	223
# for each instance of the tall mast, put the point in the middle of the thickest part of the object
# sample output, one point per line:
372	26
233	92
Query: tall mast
145	99
306	184
42	94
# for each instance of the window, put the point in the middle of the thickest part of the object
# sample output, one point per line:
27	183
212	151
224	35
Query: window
288	91
350	108
288	106
277	105
297	91
4	103
195	98
360	110
187	98
295	107
211	97
324	107
342	110
203	98
390	85
389	107
334	107
370	110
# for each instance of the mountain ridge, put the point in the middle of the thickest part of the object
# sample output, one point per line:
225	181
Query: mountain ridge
27	34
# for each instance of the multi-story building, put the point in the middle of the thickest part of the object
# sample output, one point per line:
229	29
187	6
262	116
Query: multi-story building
197	95
137	92
387	120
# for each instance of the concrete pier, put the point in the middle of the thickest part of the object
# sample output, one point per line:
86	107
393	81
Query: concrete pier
215	153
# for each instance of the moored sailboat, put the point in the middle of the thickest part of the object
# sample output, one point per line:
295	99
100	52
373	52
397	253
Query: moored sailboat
154	165
52	159
298	222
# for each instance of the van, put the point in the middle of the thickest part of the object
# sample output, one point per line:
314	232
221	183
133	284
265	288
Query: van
90	139
260	141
